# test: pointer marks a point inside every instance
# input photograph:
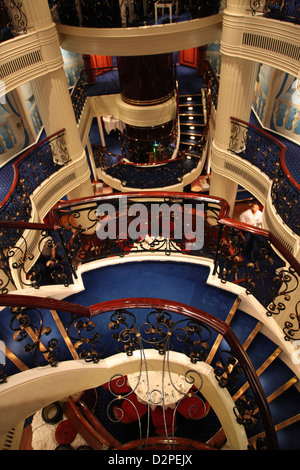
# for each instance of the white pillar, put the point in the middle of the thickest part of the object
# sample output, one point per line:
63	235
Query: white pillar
236	93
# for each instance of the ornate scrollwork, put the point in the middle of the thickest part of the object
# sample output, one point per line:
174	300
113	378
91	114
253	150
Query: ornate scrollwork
87	341
20	264
19	22
161	333
227	372
285	283
33	169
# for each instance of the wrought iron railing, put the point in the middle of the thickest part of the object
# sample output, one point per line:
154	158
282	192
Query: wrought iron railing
88	85
268	154
283	10
30	170
95	228
134	327
247	257
13	19
32	255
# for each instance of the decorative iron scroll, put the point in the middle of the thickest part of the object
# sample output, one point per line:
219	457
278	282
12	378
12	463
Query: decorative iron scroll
81	227
46	263
249	143
250	261
28	324
101	330
292	327
268	155
285	194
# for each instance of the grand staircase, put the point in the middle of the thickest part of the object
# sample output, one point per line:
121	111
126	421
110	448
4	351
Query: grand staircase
191	120
162	280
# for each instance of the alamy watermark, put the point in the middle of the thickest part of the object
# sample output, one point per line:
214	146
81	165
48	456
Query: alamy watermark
177	221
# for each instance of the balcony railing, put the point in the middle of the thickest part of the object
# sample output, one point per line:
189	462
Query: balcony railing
34	167
172	169
13	19
135	327
268	155
91	14
283	10
181	224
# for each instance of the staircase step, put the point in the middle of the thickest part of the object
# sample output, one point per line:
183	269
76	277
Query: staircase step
288	434
286	405
275	376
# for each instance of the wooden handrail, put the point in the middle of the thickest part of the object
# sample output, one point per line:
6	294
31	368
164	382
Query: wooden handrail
88	426
266	234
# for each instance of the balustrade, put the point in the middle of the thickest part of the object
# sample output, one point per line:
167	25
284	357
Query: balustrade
96	228
284	10
12	19
268	155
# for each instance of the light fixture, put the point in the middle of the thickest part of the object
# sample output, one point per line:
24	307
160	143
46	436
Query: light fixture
191	118
190	108
192	127
189	98
192	137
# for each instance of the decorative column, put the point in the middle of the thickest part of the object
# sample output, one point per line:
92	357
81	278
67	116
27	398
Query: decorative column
236	93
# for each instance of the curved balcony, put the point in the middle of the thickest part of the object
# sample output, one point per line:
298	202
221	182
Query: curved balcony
266	153
171	224
171	161
82	32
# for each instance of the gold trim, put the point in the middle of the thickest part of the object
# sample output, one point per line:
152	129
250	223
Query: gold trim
220	337
282	389
252	335
147	102
15	360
